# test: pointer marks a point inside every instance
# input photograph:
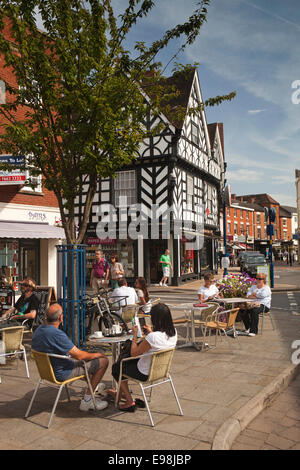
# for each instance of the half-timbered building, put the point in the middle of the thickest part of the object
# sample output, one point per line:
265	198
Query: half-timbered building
175	185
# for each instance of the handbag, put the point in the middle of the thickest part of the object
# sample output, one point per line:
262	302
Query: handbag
125	350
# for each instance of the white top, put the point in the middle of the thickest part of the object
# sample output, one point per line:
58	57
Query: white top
263	295
225	262
125	291
158	341
208	291
148	305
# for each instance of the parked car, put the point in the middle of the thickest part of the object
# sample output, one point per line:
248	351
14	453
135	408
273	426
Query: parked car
244	255
251	263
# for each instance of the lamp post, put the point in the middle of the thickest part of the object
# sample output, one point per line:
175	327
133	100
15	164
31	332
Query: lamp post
226	202
270	215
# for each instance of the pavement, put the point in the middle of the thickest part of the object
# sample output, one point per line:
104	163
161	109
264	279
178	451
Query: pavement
221	395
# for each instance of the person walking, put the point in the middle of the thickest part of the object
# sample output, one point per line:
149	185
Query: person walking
100	271
225	264
116	271
165	262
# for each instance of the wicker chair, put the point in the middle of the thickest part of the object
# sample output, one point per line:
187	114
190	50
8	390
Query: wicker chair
158	375
12	339
47	375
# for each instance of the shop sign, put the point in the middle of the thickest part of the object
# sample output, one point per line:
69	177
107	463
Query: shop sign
15	175
99	241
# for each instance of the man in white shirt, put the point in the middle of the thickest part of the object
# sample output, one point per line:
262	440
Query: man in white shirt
209	291
127	295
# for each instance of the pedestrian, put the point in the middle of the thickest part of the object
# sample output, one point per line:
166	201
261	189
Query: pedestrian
116	271
225	264
165	262
100	271
50	339
292	257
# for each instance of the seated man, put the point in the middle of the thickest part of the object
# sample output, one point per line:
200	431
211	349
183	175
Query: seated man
209	291
50	339
26	306
127	295
260	294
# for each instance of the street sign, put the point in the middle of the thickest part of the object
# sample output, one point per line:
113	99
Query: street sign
15	175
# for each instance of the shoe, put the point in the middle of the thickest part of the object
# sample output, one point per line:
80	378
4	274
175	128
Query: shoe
101	387
129	409
247	331
160	284
89	405
140	403
251	334
165	285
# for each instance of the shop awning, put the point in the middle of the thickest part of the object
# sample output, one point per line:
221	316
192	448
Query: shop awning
30	230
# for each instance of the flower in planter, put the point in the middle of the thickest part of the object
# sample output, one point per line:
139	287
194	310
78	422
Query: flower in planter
235	286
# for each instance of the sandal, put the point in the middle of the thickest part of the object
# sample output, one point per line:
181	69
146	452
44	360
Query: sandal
129	409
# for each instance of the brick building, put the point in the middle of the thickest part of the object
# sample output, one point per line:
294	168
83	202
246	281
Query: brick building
28	217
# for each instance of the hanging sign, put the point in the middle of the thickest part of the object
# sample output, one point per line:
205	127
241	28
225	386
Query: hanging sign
14	175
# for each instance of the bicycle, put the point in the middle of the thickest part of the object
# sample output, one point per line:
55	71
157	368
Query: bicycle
98	309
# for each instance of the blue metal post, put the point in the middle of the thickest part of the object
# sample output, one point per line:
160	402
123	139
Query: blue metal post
225	235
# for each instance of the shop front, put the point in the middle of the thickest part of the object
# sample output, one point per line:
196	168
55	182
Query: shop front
28	247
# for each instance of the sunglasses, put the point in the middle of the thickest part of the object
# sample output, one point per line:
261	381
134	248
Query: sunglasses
259	278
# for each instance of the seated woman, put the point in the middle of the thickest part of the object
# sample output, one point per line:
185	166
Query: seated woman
161	336
209	291
143	295
261	297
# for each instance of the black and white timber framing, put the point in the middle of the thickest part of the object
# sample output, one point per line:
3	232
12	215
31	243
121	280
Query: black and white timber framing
183	167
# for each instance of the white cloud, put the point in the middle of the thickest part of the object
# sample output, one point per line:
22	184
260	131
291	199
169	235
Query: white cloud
251	176
256	111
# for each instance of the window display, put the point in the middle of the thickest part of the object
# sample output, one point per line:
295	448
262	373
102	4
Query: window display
186	258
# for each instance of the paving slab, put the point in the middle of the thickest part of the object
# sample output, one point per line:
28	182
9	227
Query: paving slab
215	388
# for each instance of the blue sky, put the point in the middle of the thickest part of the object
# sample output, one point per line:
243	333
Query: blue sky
250	46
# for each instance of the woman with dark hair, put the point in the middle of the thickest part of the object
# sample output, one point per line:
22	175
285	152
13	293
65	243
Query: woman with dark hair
161	336
116	271
143	295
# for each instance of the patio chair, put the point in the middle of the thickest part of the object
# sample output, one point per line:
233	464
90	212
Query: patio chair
210	311
129	312
12	339
262	316
212	323
158	375
47	375
183	321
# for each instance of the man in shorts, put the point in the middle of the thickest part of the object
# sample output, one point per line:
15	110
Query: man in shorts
50	339
166	267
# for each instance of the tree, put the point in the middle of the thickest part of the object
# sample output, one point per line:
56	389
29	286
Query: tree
81	91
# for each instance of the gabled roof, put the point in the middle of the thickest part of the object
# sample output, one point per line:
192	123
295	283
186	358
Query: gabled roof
290	209
212	130
284	213
261	199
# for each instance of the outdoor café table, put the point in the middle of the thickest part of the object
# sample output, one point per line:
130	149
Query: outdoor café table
115	342
190	309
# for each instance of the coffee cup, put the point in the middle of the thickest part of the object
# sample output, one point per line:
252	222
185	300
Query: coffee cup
98	334
117	329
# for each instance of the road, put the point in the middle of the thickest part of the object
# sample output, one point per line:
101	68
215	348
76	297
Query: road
278	426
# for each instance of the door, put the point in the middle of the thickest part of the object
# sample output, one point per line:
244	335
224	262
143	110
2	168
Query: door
157	248
30	260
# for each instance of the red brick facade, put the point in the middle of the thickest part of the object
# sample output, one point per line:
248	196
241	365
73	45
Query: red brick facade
16	193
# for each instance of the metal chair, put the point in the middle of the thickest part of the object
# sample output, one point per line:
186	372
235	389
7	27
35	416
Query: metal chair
12	339
159	374
262	316
212	323
183	321
47	375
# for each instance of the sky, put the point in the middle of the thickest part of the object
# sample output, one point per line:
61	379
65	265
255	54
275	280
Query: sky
251	47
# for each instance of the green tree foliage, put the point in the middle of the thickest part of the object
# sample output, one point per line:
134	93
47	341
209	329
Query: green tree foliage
81	91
